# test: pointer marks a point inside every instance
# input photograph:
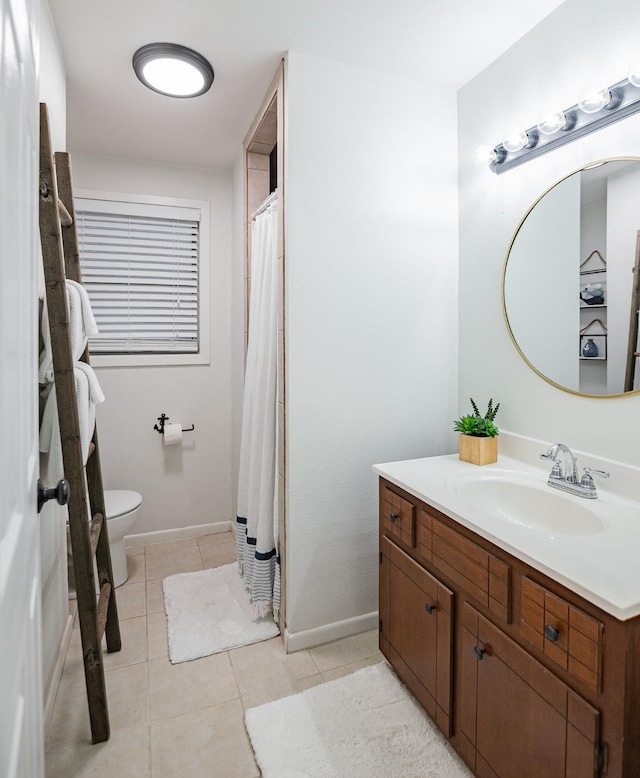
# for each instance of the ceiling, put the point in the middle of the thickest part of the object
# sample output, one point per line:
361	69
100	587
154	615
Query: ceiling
440	42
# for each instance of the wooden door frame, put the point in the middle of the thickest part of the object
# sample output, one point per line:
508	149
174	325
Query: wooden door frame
267	132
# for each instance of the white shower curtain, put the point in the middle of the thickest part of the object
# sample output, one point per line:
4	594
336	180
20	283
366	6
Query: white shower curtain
256	522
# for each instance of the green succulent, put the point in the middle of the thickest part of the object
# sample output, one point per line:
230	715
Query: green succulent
475	424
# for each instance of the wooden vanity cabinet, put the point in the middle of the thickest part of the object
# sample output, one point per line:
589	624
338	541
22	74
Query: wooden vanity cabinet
525	678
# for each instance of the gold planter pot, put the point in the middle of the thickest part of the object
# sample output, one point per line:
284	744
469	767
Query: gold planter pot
478	451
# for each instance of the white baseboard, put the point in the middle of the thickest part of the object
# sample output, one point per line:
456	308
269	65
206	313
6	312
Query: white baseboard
162	535
318	636
57	673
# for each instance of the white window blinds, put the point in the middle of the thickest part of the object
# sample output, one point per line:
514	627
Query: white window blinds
140	268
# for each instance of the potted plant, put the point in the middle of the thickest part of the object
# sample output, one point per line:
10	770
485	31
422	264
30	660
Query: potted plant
478	440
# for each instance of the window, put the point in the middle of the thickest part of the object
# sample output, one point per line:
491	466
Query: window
141	267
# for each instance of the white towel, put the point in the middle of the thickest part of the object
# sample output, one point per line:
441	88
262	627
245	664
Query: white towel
88	319
95	390
82	325
88	395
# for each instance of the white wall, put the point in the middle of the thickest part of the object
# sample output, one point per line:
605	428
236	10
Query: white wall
237	317
52	79
188	485
583	40
53	537
371	313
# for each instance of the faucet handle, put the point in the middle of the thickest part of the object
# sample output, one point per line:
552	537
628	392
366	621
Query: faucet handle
589	470
556	470
587	481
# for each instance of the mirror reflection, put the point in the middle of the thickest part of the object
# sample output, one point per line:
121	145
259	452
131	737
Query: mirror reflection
570	285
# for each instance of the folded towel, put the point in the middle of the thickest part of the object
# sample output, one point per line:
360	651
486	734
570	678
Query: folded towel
82	325
88	395
88	319
96	395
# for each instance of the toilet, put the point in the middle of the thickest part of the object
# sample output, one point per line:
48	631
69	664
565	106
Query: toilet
123	510
122	507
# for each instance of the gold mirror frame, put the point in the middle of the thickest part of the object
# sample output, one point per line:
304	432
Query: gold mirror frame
545	378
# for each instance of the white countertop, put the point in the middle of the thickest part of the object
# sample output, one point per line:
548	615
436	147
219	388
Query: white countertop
603	567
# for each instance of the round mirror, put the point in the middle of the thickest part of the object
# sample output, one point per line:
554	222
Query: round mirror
570	284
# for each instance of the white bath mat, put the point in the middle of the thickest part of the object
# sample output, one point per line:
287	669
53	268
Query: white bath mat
365	725
208	612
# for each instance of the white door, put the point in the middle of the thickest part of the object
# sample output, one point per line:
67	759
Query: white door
21	738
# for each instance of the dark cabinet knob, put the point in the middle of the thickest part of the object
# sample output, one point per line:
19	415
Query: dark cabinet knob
479	652
393	517
60	493
429	608
551	633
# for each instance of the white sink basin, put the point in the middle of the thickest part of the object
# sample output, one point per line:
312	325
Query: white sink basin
528	503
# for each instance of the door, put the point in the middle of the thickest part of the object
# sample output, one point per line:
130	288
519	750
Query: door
21	739
416	621
522	719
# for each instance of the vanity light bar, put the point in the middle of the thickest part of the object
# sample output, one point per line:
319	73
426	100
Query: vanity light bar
624	101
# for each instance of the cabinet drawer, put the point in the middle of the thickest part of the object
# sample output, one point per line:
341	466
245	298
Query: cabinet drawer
485	577
567	636
397	517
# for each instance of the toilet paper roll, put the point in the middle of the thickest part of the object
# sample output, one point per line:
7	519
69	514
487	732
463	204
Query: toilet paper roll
172	434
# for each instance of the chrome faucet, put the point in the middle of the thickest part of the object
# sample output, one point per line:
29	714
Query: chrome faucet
567	479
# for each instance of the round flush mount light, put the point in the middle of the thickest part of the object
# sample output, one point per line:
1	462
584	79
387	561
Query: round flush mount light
173	70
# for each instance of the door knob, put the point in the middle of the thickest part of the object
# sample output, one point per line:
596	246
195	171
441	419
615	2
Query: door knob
60	493
393	517
479	652
551	633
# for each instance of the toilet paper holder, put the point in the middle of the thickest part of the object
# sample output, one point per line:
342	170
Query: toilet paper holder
163	418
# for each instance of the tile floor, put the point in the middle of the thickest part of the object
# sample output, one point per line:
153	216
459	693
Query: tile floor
178	721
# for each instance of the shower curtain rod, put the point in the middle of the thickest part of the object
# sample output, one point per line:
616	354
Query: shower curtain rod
262	208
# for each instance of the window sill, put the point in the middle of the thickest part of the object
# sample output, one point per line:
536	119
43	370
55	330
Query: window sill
148	360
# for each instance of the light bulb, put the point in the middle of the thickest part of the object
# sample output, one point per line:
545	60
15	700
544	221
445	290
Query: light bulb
484	155
594	100
552	123
634	73
516	140
173	76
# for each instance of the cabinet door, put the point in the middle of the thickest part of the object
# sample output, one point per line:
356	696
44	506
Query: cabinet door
522	719
416	612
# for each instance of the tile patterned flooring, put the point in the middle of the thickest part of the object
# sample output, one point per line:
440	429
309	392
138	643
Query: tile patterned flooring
178	721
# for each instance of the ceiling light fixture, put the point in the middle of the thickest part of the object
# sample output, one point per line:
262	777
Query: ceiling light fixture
594	110
173	70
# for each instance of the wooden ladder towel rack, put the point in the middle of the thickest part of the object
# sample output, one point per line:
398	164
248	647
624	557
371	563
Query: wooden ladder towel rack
98	617
632	347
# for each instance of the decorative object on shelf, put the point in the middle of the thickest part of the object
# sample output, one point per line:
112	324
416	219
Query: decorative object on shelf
595	109
478	439
593	294
593	341
589	349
